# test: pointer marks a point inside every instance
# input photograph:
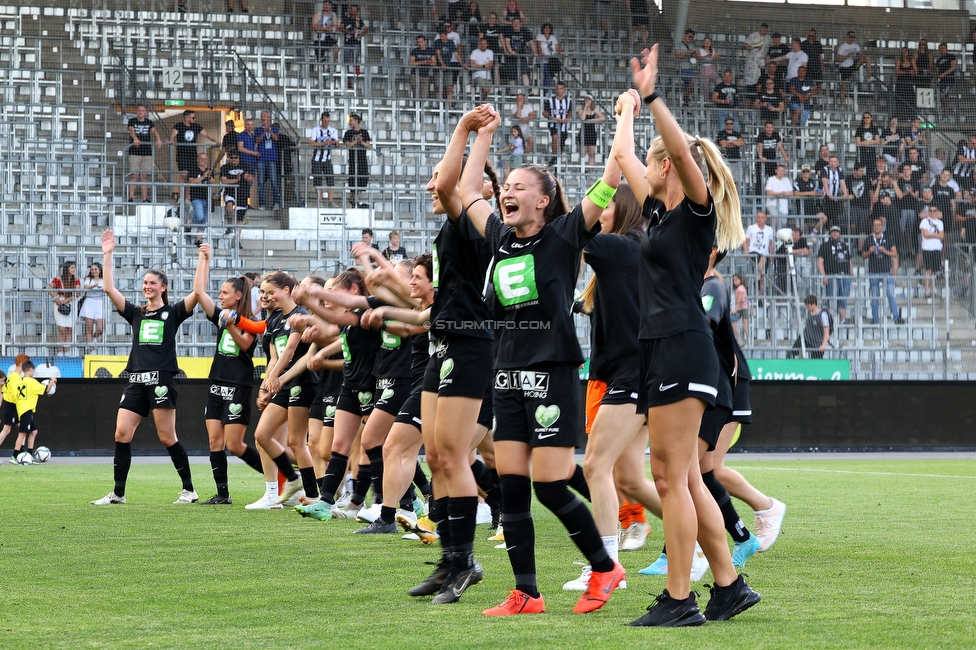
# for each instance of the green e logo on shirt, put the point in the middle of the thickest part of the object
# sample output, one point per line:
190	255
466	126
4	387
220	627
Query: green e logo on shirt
514	280
390	341
280	342
227	345
437	266
151	331
346	354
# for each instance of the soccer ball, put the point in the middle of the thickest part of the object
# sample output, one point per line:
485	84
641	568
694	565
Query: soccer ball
42	454
24	458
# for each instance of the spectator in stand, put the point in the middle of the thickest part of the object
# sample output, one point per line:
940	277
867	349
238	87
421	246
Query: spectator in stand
235	181
937	163
927	201
866	137
707	56
965	169
367	238
923	63
874	175
453	35
807	189
494	33
794	58
324	139
945	76
781	264
357	140
801	91
394	252
200	179
471	18
947	195
447	59
481	62
884	187
91	309
590	115
515	149
725	97
905	76
454	9
559	111
185	136
769	144
354	29
524	115
227	144
778	190
512	12
776	50
850	58
266	137
920	174
967	216
640	19
547	45
740	308
891	142
834	264
65	297
816	331
756	46
731	143
759	244
823	160
859	190
906	201
933	240
604	9
248	146
915	136
519	47
882	255
813	48
141	130
775	72
684	52
771	104
325	26
422	59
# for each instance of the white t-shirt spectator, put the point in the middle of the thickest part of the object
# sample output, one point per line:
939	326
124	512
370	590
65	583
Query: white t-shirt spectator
547	46
777	206
760	239
851	49
931	225
481	58
795	60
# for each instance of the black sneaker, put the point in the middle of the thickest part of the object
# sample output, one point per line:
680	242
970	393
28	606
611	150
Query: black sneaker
458	583
496	517
665	611
377	527
436	580
217	500
726	602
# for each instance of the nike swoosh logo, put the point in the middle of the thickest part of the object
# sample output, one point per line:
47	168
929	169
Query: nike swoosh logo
509	548
543	436
607	590
463	586
663	388
615	392
454	518
576	533
502	250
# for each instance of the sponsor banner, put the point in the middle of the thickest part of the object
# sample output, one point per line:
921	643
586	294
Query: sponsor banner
800	369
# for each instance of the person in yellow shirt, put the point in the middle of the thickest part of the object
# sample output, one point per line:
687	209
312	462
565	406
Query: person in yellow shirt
27	393
9	410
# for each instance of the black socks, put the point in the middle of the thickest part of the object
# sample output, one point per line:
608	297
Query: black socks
182	464
578	521
578	482
438	515
334	473
361	485
375	456
218	464
123	460
284	466
482	476
462	512
420	480
733	523
519	531
252	458
309	483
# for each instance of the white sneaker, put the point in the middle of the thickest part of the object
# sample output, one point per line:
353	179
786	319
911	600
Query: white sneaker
348	511
699	564
344	499
768	524
187	496
294	500
484	514
407	519
370	514
290	489
413	537
636	536
108	499
266	502
580	583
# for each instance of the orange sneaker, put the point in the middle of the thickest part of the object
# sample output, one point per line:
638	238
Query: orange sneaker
599	588
518	602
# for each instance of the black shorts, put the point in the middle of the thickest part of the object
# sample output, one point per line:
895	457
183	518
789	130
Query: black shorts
329	403
676	367
410	411
357	402
27	424
636	20
833	209
459	367
391	394
186	163
149	390
846	74
713	421
741	406
623	389
322	171
229	403
9	413
317	409
541	407
932	261
486	417
300	395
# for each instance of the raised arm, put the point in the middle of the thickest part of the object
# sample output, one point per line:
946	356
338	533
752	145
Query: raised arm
200	280
108	273
472	180
623	145
450	171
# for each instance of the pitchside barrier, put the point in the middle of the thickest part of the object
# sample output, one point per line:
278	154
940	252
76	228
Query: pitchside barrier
787	415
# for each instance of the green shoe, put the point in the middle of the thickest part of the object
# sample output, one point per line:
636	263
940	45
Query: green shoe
319	510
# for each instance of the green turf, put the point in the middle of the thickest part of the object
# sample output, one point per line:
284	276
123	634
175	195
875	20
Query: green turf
873	554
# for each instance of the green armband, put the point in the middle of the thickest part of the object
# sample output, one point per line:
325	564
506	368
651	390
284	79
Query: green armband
601	193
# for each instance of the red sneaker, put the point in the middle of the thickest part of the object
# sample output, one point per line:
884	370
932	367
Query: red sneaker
518	602
599	588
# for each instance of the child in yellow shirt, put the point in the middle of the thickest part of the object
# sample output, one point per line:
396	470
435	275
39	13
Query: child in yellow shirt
27	393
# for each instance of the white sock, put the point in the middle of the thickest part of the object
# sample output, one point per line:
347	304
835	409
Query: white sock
272	489
610	543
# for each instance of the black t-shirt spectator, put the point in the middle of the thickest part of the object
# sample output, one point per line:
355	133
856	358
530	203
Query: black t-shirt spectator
446	49
878	262
768	144
809	205
733	152
867	155
814	53
520	40
776	51
804	87
907	202
943	196
836	257
891	148
229	141
860	191
354	25
199	191
143	131
943	63
493	34
726	91
423	54
766	103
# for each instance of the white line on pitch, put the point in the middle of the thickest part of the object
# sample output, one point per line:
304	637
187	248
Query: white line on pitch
846	471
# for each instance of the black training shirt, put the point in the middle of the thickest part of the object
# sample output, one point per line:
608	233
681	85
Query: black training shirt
154	336
359	348
616	310
279	330
230	364
460	260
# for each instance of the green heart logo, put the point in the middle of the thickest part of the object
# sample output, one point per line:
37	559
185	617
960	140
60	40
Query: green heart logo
546	416
365	397
447	367
235	409
387	394
295	391
330	411
161	391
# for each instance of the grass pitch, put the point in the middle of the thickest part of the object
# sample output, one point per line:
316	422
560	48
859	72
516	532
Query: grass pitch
873	554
